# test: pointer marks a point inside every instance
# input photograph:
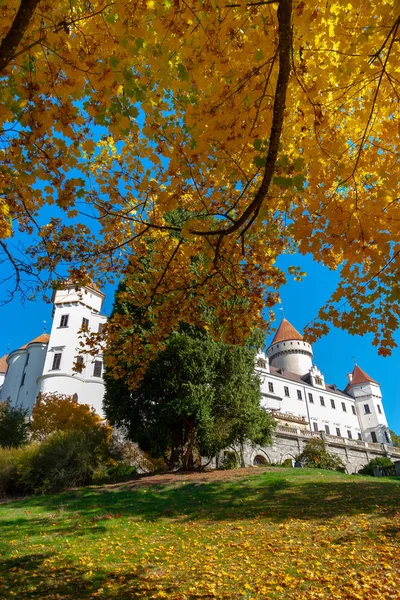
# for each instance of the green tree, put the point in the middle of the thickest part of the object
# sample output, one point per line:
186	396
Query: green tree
197	397
14	425
395	438
315	455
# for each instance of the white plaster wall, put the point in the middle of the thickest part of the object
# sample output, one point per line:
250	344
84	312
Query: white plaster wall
87	296
16	363
33	369
370	394
287	356
65	341
312	412
2	377
90	391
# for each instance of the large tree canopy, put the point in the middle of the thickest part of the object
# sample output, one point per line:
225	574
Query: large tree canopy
273	126
197	396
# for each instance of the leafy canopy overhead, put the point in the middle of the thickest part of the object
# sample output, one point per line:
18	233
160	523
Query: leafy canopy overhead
272	126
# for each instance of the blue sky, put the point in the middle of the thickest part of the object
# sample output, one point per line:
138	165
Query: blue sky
333	354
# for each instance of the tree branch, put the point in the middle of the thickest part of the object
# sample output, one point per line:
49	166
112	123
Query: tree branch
20	24
284	49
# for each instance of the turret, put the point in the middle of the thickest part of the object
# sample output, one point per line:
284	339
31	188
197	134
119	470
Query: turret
289	351
368	400
25	365
74	309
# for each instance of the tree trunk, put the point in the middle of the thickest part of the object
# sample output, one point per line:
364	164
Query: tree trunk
188	457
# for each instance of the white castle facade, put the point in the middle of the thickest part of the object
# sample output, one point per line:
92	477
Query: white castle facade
352	421
46	363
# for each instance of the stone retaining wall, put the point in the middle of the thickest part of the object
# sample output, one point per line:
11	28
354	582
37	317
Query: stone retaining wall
288	442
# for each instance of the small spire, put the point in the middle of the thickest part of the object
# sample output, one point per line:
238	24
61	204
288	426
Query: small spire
355	362
283	311
44	326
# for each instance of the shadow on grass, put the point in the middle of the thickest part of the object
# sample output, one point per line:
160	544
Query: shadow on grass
275	496
31	577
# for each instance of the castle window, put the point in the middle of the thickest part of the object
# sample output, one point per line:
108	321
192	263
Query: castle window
79	363
261	363
310	398
379	409
315	426
85	323
367	410
387	438
349	434
338	432
286	391
359	436
299	395
373	437
64	321
327	429
353	408
98	367
270	387
101	325
318	380
333	403
56	361
344	407
322	401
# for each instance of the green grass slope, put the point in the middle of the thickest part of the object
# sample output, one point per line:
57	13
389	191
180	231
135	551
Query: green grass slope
285	534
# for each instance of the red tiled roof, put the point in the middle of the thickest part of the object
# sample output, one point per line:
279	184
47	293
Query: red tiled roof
41	339
360	376
285	332
3	364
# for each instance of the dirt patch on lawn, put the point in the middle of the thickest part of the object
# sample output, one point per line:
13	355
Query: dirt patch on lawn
180	477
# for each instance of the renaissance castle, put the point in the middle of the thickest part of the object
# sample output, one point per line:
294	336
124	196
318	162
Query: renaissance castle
352	421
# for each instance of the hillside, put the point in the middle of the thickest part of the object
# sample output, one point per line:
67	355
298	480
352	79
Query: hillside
269	533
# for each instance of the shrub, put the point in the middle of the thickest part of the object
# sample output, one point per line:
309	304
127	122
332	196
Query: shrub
316	456
58	412
229	461
379	461
64	459
14	425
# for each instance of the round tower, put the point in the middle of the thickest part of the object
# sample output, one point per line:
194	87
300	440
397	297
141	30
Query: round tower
288	350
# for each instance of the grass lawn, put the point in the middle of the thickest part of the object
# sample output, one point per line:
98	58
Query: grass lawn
281	533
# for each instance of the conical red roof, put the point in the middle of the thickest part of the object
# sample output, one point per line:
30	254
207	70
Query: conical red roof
41	339
360	376
285	332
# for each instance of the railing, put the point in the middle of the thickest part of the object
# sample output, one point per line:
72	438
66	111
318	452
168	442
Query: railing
348	442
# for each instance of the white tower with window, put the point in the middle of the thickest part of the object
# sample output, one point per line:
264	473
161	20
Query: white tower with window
74	309
368	401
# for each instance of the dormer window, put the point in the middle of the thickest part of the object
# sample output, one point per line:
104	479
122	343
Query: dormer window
262	363
318	380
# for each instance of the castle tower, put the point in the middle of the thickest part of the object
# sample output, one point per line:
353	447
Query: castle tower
25	365
368	400
74	308
289	351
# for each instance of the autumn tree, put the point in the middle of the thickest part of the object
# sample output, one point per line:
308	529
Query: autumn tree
196	398
273	125
58	412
